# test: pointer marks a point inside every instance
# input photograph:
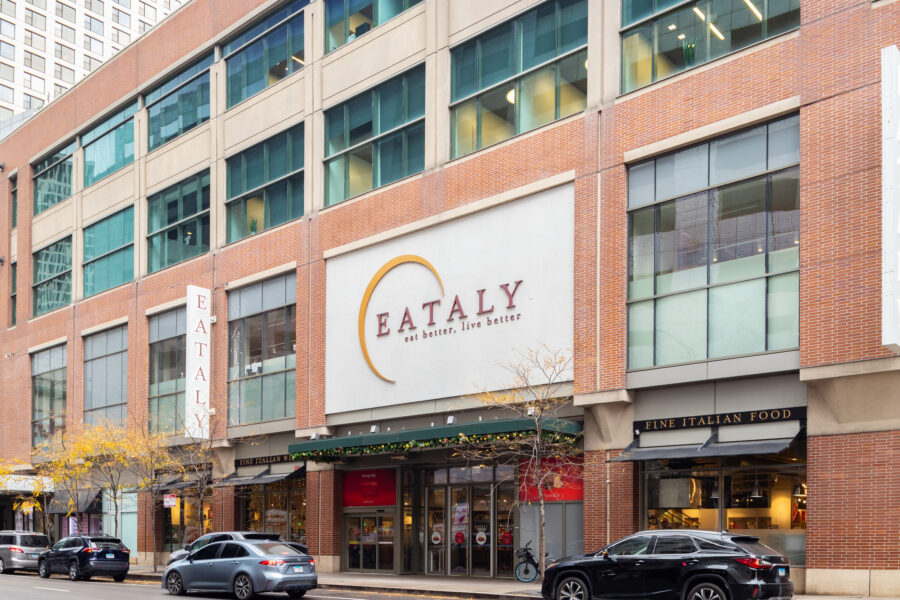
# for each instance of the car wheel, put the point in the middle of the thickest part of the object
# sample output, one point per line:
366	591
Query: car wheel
3	569
706	591
174	584
43	569
74	571
119	578
242	587
296	593
571	588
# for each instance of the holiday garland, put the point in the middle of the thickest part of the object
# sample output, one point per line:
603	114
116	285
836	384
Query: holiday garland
333	454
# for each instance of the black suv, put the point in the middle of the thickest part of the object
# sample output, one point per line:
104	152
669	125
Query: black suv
82	557
673	565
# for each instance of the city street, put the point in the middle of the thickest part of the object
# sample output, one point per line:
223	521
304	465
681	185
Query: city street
58	587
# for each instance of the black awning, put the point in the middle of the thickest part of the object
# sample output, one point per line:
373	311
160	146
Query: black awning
262	478
710	448
60	503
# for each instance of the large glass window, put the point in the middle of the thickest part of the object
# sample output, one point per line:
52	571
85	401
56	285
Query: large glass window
375	138
48	393
278	507
53	179
714	249
179	104
167	364
346	20
109	146
658	41
52	286
265	184
14	201
519	75
109	252
265	53
178	222
106	376
262	351
763	496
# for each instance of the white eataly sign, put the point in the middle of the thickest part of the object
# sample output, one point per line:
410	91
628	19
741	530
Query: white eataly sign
444	311
196	404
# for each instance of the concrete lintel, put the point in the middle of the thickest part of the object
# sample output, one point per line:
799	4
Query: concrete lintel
314	466
862	367
604	397
50	344
154	310
104	326
751	117
307	432
285	268
222	444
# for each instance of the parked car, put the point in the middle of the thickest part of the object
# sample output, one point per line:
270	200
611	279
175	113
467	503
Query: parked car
302	548
220	536
674	565
19	550
243	568
82	557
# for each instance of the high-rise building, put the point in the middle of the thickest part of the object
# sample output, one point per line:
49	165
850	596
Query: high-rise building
46	46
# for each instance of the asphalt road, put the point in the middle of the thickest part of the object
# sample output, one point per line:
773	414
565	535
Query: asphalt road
22	586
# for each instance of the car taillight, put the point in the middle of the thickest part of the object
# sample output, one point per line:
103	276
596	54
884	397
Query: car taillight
126	550
88	549
754	563
17	550
272	563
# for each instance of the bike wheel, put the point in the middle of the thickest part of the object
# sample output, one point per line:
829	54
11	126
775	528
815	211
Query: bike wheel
526	571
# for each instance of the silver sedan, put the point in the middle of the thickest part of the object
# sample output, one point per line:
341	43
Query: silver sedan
243	568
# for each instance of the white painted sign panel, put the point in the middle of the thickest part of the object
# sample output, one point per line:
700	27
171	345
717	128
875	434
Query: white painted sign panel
196	424
890	198
439	312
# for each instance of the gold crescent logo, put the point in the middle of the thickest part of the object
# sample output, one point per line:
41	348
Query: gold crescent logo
364	306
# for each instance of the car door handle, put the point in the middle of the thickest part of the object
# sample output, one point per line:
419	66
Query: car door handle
234	562
638	563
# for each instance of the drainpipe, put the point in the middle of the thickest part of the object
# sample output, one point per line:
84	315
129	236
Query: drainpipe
608	502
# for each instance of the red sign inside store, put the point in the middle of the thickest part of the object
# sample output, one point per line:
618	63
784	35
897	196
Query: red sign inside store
372	487
564	482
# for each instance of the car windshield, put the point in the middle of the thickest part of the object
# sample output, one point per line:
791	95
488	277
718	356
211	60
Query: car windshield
276	548
33	541
107	544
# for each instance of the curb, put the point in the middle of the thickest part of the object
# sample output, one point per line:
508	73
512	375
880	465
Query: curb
157	578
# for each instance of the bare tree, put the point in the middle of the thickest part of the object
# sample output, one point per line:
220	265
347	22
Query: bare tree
546	452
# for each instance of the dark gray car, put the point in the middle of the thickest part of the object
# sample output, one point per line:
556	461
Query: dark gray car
243	568
220	536
19	550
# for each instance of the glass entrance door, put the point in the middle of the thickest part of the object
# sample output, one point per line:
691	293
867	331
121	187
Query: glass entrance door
482	540
435	562
459	530
370	542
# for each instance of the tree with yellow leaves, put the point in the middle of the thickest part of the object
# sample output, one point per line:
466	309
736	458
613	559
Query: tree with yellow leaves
60	465
545	450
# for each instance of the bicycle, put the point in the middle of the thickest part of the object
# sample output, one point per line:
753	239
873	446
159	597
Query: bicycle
527	568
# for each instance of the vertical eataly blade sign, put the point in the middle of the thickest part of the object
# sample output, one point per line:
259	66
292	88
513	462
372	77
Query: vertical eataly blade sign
196	423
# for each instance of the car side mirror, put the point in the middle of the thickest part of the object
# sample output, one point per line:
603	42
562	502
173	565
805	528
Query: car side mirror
187	548
608	556
190	558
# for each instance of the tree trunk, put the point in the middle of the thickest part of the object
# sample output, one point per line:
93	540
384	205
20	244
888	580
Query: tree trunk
116	531
153	515
543	544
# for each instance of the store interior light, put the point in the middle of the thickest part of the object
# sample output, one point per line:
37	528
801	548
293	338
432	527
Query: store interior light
753	9
511	96
799	489
714	494
673	27
700	13
755	492
716	31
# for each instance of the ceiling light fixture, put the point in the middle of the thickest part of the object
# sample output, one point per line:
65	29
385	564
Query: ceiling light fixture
700	13
716	31
511	96
754	9
673	27
681	37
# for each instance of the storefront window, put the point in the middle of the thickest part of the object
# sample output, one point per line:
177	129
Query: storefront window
278	507
184	522
761	496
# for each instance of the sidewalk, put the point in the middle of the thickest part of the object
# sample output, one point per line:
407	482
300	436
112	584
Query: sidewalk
457	587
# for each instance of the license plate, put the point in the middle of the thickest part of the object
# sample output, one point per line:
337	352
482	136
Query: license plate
110	556
299	569
782	571
34	556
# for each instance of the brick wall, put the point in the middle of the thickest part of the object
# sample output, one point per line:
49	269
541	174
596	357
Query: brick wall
323	512
853	505
622	491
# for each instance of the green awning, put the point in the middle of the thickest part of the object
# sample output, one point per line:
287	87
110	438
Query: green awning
436	433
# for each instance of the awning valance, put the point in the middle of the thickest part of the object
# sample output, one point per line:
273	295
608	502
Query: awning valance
436	433
710	448
264	477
